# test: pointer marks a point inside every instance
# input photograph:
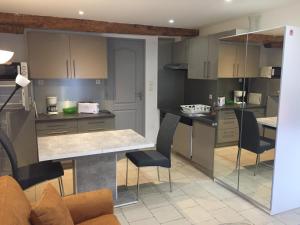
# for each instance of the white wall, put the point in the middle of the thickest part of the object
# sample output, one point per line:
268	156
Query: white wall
288	15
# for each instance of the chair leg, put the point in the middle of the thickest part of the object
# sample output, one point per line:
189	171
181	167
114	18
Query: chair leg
158	173
126	184
61	186
238	158
257	163
170	181
138	184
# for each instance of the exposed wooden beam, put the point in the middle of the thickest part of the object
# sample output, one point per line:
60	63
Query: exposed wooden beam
58	23
11	29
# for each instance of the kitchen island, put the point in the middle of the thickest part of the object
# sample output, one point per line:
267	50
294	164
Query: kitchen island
95	158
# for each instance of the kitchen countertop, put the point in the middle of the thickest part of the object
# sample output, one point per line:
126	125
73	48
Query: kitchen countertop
234	106
61	116
187	119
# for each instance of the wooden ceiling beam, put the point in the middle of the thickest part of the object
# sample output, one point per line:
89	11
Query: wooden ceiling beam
57	23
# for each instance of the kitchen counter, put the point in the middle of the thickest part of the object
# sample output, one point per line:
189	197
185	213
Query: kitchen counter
235	106
61	116
187	119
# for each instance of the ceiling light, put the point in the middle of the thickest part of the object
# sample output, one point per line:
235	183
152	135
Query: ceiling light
80	12
228	0
171	21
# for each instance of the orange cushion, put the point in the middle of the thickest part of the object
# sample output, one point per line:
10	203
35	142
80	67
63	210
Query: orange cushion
50	209
109	219
14	206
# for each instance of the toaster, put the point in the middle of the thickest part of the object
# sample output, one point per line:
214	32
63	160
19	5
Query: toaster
85	107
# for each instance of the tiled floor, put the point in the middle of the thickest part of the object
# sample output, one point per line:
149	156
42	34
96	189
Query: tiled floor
195	199
258	187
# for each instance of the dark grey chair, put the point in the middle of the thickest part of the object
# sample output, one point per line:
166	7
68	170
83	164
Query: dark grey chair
249	137
33	174
161	157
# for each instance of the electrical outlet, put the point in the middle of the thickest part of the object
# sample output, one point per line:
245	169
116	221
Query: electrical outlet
210	96
98	82
40	82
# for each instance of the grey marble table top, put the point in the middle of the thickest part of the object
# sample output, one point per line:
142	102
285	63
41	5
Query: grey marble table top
86	144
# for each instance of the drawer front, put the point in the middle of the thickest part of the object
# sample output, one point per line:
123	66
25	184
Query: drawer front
92	125
57	125
57	131
228	135
227	124
259	112
226	114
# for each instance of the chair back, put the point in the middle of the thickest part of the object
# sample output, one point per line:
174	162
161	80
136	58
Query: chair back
249	137
9	149
165	134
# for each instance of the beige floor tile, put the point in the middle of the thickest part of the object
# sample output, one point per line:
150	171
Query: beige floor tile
257	217
196	214
227	215
178	222
210	203
155	201
183	202
289	218
238	204
166	214
121	219
151	221
136	212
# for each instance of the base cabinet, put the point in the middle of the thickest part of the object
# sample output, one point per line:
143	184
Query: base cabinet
203	147
182	142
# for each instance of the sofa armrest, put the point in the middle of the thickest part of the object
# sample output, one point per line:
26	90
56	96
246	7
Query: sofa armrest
89	205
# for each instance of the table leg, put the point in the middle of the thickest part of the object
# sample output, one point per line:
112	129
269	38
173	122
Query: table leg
95	172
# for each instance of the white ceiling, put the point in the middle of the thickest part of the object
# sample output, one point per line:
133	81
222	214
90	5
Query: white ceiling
186	13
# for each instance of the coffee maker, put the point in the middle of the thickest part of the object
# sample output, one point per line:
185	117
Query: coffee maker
239	97
52	106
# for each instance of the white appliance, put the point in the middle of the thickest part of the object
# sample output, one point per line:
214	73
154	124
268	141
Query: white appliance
270	71
254	98
52	105
85	107
239	97
221	101
8	75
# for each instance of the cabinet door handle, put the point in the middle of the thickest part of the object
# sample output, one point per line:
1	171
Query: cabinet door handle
67	65
234	70
74	71
58	132
208	69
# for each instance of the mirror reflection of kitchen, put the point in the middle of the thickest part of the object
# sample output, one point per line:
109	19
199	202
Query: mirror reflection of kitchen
245	147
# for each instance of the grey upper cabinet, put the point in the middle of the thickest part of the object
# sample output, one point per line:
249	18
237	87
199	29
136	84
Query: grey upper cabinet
203	58
180	52
65	56
49	55
232	60
88	57
197	58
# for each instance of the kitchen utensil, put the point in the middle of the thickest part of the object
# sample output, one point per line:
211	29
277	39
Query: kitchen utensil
199	108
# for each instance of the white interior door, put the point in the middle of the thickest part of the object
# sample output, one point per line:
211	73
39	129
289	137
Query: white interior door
127	66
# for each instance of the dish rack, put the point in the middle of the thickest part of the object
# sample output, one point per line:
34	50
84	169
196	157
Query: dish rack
193	109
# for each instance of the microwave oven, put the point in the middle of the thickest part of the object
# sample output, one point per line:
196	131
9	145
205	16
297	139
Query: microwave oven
271	71
9	72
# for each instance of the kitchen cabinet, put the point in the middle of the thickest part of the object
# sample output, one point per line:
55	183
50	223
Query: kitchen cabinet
74	126
228	128
202	58
203	147
232	60
180	52
66	56
88	57
182	141
49	55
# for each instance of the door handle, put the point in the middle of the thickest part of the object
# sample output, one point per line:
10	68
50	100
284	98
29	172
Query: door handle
139	95
74	71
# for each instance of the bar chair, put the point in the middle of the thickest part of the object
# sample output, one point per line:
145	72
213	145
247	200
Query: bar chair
161	157
30	175
249	137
